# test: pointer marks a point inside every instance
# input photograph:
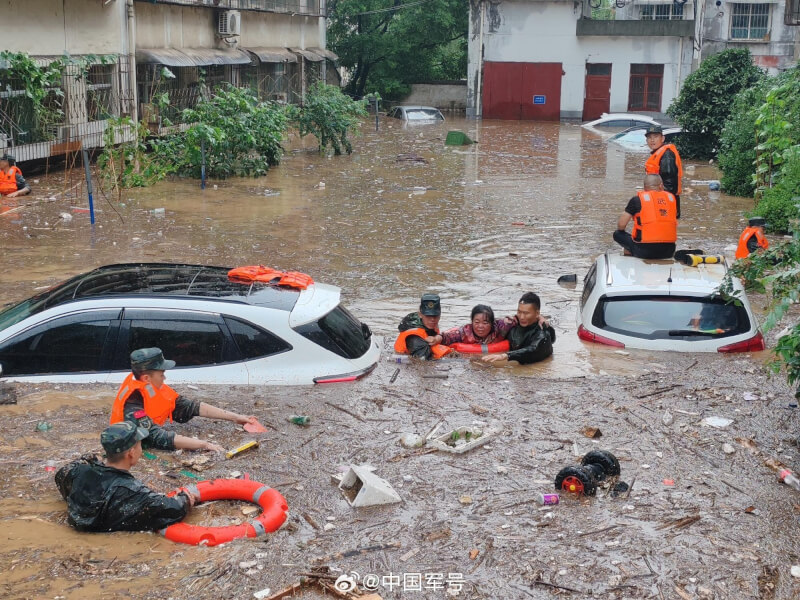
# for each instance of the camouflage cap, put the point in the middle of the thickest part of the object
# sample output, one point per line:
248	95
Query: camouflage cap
121	436
430	305
150	359
654	128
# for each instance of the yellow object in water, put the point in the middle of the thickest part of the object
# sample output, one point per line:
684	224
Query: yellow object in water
242	448
693	260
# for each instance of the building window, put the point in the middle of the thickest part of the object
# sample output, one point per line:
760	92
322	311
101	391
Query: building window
749	21
662	12
100	98
645	87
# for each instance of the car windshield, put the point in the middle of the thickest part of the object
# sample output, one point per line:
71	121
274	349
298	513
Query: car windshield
671	317
423	114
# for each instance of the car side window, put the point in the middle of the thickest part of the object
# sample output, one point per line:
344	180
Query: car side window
254	342
588	284
69	347
189	343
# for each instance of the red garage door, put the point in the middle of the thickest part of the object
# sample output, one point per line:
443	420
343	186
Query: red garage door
528	91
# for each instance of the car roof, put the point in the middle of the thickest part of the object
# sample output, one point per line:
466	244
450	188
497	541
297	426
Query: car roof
636	274
168	280
614	116
417	107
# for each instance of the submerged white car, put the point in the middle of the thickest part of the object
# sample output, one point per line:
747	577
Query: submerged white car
635	138
610	123
218	330
629	302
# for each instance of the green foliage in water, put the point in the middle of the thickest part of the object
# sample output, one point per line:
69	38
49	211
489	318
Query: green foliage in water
706	98
242	136
737	151
778	203
330	115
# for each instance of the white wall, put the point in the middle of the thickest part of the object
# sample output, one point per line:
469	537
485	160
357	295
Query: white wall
545	32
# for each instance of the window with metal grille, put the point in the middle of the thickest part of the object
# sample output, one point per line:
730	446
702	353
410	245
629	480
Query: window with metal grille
644	92
749	21
662	12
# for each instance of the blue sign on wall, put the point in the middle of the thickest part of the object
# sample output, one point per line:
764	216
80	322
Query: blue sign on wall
540	99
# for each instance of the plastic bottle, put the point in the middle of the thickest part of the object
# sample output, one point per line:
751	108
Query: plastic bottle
50	466
299	419
547	499
790	479
398	358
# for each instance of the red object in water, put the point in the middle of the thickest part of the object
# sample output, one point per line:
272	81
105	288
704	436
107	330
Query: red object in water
754	344
588	336
669	482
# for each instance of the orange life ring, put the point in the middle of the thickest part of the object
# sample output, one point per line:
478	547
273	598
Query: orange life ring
502	346
264	274
273	512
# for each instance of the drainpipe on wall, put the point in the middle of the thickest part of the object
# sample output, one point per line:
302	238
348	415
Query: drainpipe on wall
134	106
479	93
680	68
699	17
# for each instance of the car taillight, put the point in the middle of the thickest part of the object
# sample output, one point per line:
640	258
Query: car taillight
754	344
588	336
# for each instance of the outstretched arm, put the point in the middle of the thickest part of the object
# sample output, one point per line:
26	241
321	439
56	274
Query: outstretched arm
212	412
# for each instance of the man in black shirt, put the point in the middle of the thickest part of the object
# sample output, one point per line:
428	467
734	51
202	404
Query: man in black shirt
531	339
106	497
655	228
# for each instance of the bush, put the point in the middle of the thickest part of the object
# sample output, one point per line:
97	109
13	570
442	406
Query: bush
242	136
330	116
706	98
777	204
737	145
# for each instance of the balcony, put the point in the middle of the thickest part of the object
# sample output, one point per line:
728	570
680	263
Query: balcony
633	28
292	7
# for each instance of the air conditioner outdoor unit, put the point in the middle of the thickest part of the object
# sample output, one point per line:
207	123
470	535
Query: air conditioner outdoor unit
229	23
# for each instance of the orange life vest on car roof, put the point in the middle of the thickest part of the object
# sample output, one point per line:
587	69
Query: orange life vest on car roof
439	350
657	220
8	181
264	274
158	403
653	164
741	250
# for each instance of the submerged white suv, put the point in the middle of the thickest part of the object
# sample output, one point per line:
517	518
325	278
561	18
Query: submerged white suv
216	329
629	302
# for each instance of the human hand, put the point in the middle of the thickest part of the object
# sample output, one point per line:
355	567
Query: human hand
434	339
242	420
543	322
212	447
13	194
190	497
490	358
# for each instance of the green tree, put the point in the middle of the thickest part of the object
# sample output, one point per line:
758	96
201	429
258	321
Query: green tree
242	136
388	46
737	145
706	98
330	115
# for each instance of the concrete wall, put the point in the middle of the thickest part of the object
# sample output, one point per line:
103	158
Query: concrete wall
47	28
446	96
775	54
545	32
173	26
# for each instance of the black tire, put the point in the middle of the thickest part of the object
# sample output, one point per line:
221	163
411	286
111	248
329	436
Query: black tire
607	461
579	475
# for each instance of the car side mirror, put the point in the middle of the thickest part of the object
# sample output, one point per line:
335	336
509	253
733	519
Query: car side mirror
1	369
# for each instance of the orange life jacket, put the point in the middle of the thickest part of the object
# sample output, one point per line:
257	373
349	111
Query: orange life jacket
8	181
439	350
741	250
653	164
158	403
657	221
264	274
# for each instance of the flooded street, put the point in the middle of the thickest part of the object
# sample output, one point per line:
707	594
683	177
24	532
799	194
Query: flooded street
404	215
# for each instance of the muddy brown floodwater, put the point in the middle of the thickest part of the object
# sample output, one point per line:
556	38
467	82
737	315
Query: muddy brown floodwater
403	215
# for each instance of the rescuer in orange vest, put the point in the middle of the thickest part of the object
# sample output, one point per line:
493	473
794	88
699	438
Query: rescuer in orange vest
418	331
655	222
144	399
752	238
12	184
664	161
